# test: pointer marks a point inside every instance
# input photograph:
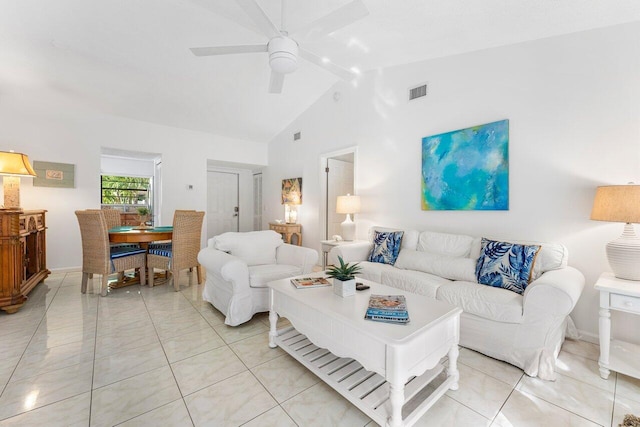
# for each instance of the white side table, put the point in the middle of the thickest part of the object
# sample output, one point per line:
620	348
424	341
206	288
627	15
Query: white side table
327	245
620	295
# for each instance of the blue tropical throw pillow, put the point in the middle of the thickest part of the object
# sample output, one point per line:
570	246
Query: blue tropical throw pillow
506	265
386	247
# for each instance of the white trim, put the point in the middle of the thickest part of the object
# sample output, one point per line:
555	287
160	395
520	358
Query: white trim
323	182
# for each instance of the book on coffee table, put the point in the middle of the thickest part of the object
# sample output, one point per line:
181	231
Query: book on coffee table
310	282
387	308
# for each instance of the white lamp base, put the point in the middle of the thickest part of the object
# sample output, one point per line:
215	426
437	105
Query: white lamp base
624	254
348	228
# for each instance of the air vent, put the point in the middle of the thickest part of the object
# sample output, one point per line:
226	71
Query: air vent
297	136
418	92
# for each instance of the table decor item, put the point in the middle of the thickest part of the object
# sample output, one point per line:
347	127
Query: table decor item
310	282
387	308
344	281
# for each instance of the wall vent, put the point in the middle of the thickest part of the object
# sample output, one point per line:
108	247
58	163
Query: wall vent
418	92
297	136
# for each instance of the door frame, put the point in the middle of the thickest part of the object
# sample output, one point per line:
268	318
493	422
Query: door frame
323	183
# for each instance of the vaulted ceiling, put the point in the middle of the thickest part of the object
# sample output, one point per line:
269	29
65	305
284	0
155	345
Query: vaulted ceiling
132	59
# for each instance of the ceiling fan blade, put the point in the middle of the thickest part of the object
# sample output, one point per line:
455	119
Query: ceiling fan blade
276	82
335	20
257	15
327	65
228	50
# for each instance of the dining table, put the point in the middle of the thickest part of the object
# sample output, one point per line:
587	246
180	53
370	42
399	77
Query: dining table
142	236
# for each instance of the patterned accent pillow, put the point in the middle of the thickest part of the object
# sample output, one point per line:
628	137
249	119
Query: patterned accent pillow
386	246
506	265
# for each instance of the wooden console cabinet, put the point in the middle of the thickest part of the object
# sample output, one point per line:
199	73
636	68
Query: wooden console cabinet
23	255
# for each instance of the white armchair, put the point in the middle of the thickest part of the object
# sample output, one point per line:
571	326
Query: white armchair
239	266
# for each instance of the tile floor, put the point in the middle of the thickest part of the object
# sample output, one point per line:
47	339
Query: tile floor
157	357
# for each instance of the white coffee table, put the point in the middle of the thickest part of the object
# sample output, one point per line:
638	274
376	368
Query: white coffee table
376	366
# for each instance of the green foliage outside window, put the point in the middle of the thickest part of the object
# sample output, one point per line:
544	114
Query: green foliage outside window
125	190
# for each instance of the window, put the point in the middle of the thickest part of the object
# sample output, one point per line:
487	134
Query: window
125	190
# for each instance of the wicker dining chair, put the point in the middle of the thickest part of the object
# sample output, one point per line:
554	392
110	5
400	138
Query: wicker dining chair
99	257
182	252
112	216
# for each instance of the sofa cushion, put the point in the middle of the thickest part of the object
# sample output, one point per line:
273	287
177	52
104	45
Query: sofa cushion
452	268
373	270
386	246
506	265
487	302
409	239
254	247
260	275
454	245
415	282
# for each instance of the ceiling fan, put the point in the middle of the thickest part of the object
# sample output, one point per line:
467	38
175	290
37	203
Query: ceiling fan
283	50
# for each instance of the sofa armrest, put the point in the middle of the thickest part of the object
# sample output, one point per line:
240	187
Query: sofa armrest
224	266
305	258
554	293
353	252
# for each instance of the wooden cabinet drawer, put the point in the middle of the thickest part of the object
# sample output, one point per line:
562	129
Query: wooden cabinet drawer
625	303
279	228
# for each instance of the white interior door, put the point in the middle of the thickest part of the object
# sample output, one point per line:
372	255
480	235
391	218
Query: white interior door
339	183
222	202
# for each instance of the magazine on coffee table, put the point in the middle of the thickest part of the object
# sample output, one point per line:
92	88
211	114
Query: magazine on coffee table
310	282
387	308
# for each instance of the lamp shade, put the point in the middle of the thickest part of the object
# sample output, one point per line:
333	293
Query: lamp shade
348	204
15	164
617	203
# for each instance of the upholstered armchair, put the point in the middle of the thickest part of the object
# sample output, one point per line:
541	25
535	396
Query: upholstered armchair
239	266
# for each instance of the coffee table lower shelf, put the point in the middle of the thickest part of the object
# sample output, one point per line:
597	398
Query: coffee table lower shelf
367	390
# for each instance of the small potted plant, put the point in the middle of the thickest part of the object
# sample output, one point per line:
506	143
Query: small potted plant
143	214
344	281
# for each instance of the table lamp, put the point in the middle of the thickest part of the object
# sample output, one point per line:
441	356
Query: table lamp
621	203
13	166
348	205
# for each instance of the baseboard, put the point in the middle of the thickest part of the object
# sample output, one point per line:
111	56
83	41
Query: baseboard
589	337
66	270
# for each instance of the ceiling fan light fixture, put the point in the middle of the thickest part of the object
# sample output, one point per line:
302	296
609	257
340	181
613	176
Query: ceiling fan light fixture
283	55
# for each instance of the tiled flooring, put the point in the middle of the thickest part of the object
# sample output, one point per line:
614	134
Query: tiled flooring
162	358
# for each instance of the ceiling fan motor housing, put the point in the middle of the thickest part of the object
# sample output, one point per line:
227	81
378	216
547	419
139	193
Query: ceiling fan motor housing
283	55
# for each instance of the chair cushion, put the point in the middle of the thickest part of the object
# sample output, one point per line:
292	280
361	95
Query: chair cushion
125	250
162	249
386	246
260	275
253	247
506	265
487	302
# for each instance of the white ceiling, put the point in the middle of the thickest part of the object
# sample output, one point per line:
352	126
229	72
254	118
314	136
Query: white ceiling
131	58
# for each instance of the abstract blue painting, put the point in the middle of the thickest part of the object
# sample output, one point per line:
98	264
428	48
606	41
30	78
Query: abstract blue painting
467	169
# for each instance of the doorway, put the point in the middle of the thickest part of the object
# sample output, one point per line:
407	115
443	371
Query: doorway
223	210
339	180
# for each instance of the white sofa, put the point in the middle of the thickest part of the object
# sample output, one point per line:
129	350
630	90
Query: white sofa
525	330
239	266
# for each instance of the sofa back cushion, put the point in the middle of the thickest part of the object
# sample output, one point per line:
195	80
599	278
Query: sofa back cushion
254	247
453	245
452	268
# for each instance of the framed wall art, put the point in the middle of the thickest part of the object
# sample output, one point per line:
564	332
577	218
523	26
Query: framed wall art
467	169
61	175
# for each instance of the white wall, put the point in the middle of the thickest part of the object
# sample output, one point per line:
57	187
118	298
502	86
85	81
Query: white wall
574	111
52	129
